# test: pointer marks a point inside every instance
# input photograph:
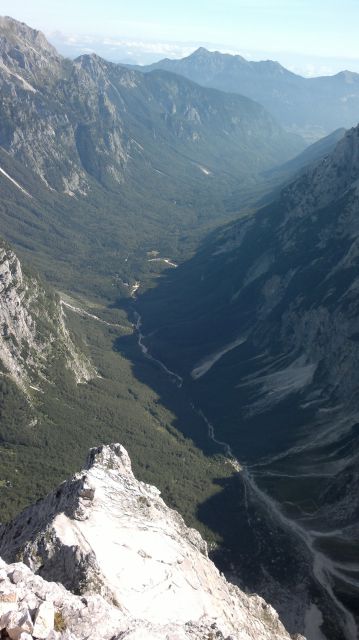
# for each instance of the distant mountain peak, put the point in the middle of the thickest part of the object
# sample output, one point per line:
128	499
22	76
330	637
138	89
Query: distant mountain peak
348	76
200	52
91	60
203	53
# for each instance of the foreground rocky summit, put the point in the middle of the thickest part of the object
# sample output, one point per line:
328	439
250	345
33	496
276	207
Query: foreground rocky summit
140	572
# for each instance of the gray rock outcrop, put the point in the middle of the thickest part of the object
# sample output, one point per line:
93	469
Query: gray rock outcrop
32	327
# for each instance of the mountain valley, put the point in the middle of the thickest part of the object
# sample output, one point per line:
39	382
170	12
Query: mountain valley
179	274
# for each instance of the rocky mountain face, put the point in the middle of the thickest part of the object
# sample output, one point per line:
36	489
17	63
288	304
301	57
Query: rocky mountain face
263	326
311	106
140	571
33	329
72	120
39	62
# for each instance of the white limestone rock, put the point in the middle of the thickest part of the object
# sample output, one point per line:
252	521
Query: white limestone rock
44	620
104	532
8	602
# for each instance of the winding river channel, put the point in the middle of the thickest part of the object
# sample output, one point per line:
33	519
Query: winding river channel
323	568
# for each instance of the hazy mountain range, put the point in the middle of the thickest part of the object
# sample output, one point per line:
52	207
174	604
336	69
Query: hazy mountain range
309	106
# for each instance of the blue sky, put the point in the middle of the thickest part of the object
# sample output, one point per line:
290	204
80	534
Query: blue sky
310	36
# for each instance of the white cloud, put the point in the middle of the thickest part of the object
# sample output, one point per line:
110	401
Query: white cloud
161	48
312	70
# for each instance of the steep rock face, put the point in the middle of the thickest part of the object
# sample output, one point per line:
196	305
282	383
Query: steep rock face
39	62
33	331
38	131
105	532
263	326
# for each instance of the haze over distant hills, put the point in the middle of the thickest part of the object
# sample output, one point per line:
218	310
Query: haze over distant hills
312	107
